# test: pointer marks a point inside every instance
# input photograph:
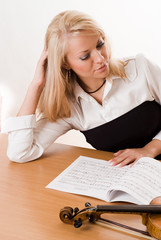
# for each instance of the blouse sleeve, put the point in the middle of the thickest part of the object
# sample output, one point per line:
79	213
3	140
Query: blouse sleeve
153	76
28	138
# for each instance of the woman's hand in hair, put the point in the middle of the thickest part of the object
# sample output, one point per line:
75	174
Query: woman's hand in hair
35	88
131	156
40	72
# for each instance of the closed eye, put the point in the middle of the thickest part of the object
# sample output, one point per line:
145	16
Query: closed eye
85	57
100	44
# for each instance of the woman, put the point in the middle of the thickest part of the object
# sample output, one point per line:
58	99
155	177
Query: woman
77	85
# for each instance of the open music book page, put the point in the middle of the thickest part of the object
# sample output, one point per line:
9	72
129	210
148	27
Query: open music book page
97	178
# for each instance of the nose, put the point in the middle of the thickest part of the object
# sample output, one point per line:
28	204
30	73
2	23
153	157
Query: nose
98	57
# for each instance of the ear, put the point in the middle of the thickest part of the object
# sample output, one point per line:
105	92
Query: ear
66	66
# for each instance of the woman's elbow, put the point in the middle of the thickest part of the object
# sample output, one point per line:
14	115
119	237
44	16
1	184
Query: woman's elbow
16	158
24	156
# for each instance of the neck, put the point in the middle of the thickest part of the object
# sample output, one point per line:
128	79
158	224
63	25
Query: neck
130	208
97	89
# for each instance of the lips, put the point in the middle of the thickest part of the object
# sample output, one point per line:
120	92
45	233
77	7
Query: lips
101	68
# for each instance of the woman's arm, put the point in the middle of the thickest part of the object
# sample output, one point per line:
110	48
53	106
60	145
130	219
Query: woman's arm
123	157
28	138
35	88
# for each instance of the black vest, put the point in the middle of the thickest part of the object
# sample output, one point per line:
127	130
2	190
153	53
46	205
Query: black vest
133	129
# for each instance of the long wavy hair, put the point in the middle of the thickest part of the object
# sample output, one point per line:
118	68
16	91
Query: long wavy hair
55	99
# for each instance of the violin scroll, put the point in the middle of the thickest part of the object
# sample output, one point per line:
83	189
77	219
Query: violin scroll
66	214
76	217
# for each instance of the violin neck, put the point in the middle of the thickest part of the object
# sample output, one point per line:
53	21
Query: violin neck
129	208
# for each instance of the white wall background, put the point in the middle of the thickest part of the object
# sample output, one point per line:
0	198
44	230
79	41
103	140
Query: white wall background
133	26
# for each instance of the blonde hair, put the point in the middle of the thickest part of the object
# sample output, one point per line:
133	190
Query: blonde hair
55	98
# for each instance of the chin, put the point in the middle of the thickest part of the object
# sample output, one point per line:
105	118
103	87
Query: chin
104	75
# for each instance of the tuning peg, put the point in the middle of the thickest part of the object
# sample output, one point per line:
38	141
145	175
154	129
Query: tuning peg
87	204
91	218
76	210
78	223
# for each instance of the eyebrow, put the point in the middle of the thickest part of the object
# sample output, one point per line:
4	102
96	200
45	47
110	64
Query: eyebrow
84	51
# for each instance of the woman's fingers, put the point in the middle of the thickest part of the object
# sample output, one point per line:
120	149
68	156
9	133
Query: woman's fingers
39	76
125	157
43	57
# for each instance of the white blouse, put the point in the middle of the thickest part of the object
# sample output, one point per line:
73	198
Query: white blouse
29	138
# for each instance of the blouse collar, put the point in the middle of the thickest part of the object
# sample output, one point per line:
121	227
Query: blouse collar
131	73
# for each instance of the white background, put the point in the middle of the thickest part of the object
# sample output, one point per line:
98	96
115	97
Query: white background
133	26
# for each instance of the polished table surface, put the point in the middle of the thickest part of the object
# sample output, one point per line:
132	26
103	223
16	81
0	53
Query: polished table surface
29	211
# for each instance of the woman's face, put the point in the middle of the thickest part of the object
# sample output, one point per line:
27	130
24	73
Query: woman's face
87	56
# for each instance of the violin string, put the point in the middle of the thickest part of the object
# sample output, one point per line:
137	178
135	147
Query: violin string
148	236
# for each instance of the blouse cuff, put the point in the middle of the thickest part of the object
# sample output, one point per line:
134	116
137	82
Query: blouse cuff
19	123
158	136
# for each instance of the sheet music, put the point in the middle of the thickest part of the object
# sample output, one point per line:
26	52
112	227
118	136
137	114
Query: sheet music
143	180
95	178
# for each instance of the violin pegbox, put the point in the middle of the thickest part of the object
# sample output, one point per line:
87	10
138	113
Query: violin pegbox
74	216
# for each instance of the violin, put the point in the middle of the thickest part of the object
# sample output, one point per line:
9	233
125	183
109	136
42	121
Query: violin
151	215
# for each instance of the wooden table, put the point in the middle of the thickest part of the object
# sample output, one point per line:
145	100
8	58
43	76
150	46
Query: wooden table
29	211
